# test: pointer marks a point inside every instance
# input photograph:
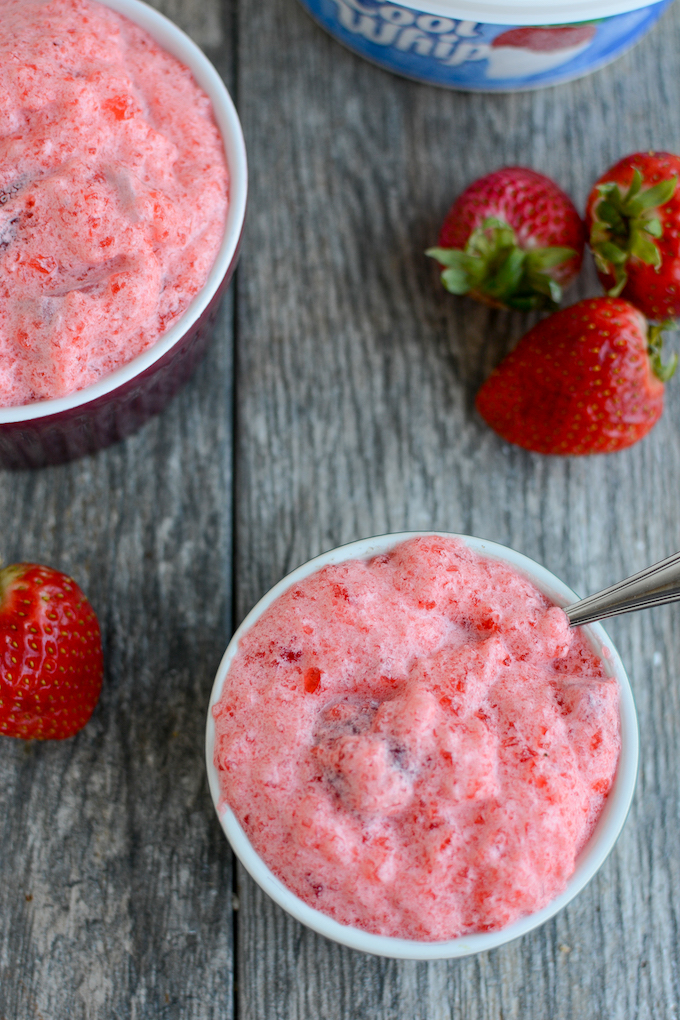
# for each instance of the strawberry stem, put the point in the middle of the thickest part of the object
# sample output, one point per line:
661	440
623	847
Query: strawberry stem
625	225
8	575
493	266
654	346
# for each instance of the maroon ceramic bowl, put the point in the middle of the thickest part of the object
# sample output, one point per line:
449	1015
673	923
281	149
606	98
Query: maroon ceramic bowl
54	431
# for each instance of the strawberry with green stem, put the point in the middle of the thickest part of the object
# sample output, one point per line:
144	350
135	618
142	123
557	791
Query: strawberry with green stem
513	239
588	379
633	222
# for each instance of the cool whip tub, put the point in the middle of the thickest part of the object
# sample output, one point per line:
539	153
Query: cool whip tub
417	745
488	45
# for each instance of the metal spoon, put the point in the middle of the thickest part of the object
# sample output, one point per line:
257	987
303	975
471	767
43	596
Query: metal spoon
653	586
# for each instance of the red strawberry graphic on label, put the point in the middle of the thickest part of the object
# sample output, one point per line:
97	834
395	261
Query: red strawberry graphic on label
546	38
534	49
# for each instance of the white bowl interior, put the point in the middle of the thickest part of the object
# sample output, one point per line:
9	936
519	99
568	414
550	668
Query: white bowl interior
172	39
591	858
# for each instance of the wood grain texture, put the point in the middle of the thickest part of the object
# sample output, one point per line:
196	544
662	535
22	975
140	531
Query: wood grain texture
354	415
355	383
115	878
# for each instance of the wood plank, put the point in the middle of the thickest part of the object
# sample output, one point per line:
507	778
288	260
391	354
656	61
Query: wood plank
115	878
355	388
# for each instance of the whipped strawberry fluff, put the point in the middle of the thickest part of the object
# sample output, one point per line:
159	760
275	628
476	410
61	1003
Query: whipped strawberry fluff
417	745
113	194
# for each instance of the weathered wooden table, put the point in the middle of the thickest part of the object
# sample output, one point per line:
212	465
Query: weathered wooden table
336	402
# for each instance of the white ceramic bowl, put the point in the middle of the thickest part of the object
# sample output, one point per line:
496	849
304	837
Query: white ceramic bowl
591	858
51	431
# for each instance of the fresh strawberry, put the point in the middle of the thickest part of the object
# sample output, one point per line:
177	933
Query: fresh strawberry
513	239
51	662
633	221
588	379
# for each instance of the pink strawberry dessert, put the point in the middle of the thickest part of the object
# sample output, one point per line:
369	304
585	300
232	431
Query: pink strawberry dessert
113	194
417	745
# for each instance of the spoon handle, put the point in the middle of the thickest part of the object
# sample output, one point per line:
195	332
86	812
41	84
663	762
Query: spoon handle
653	586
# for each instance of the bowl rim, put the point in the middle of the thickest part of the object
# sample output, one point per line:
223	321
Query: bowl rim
174	41
590	859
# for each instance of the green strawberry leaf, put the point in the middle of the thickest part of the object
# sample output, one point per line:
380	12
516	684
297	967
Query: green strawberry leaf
494	265
654	347
539	259
445	256
644	249
653	227
611	252
652	198
612	189
506	281
608	213
623	227
495	232
635	186
456	281
620	278
463	272
545	284
661	371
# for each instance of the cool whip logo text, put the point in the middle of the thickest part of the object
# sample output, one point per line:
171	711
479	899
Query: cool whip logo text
426	34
